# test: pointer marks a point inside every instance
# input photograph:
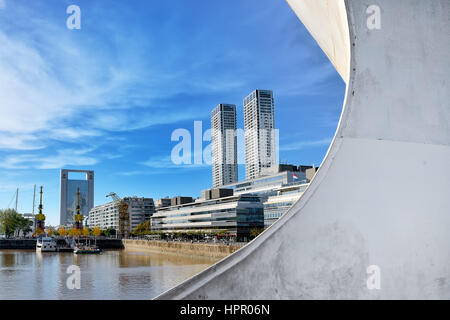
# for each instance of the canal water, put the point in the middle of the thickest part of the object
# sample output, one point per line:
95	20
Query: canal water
115	274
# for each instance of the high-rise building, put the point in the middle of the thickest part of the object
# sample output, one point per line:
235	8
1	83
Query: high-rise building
68	195
224	145
107	215
259	132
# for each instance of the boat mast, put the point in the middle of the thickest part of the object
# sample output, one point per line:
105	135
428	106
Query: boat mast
34	199
17	197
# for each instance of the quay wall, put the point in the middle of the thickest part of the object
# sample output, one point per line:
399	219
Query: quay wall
209	250
20	244
26	244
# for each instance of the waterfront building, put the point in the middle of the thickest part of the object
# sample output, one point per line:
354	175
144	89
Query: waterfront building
311	172
236	214
259	132
278	202
278	191
224	145
215	193
68	195
163	202
180	200
267	184
107	215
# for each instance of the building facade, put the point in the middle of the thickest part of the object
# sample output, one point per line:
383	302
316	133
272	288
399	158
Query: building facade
163	202
107	215
236	214
279	202
278	191
259	132
68	195
224	145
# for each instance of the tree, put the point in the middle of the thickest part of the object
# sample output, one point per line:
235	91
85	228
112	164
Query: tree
23	224
38	232
109	232
11	221
142	228
86	231
254	232
50	232
74	232
96	232
62	231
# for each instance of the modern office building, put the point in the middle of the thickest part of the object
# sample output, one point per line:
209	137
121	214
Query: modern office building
68	195
259	132
216	193
279	202
311	172
180	200
224	145
278	191
163	202
107	215
236	214
267	184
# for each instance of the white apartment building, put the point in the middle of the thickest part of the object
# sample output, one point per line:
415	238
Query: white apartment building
224	145
107	215
259	132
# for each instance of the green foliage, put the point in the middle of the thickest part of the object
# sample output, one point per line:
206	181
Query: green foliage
254	232
11	221
142	229
110	232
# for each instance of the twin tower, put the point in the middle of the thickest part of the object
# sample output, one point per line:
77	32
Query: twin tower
259	136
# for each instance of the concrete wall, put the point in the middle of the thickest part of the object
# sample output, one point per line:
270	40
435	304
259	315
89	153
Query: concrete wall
31	244
182	248
17	244
395	120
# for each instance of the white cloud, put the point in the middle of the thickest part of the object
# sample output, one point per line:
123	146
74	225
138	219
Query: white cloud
19	142
63	158
305	144
43	98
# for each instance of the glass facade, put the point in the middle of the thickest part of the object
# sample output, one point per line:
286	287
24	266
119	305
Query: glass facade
237	215
72	186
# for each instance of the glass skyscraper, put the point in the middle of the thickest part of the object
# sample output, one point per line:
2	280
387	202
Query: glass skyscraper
259	126
68	195
224	145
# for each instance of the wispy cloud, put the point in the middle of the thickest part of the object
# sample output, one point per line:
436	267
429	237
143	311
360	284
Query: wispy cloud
62	158
305	144
165	162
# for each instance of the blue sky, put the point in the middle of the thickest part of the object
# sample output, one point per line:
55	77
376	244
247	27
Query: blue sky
108	97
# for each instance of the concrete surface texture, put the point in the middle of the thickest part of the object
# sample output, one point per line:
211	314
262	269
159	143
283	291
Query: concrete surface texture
374	222
195	249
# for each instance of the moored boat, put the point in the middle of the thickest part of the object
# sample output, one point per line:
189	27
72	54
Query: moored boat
46	244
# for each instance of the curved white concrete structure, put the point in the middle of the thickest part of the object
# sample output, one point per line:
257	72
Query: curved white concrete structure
382	194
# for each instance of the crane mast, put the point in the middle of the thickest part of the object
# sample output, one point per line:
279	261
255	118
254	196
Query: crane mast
124	217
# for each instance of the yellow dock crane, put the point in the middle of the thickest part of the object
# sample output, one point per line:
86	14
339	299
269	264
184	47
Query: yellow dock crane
124	217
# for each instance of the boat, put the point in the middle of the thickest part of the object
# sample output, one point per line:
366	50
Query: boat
46	244
87	251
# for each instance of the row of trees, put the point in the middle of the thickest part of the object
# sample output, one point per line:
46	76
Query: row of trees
85	232
12	223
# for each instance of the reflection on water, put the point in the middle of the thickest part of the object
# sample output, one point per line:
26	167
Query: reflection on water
112	275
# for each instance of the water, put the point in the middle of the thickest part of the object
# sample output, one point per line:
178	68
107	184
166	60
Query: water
117	274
